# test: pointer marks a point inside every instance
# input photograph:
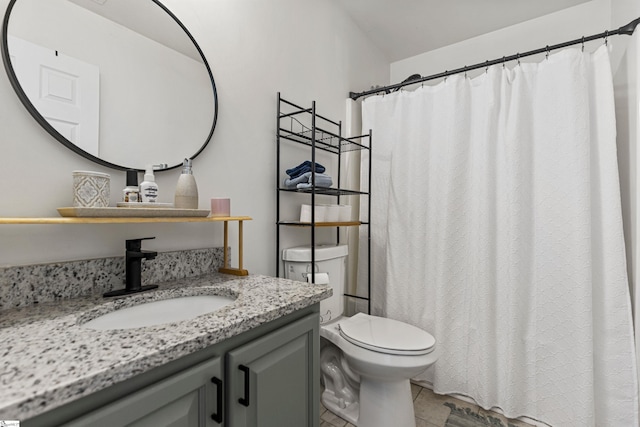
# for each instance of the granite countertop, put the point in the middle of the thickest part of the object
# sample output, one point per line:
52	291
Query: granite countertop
48	359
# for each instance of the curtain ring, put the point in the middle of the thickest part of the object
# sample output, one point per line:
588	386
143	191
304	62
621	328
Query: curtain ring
606	37
446	74
465	71
486	68
583	43
547	54
518	58
503	61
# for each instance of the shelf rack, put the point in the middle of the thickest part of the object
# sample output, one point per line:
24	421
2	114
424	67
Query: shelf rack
305	126
237	271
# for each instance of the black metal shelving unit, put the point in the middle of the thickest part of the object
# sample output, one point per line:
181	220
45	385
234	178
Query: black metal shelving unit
305	126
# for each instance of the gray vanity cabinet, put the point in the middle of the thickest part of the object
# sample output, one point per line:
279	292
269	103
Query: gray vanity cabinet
182	400
271	380
266	377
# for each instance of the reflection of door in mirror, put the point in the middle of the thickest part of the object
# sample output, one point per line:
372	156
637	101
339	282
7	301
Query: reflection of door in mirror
157	100
65	90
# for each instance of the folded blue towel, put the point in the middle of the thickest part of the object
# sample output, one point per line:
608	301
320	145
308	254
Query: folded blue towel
292	182
304	167
304	181
322	182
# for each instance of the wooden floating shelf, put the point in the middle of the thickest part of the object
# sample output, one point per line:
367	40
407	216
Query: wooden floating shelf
226	269
119	220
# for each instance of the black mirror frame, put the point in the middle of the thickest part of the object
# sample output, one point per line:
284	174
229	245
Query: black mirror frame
45	124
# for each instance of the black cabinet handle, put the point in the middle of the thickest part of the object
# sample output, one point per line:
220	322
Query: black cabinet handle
217	416
245	400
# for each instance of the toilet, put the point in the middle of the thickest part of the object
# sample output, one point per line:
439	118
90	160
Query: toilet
366	361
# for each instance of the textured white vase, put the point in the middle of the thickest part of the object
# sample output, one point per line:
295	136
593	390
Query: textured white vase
186	192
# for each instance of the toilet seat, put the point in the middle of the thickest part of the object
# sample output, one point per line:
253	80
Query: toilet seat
386	335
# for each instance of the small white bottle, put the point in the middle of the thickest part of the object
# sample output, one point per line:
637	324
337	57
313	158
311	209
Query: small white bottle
186	188
148	187
131	193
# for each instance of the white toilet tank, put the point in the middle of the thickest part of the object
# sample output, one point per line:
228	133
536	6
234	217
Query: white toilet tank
331	262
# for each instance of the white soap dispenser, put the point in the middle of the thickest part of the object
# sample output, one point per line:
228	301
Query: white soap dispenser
148	187
186	189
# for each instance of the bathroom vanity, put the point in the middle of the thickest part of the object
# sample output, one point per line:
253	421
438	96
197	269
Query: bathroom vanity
253	362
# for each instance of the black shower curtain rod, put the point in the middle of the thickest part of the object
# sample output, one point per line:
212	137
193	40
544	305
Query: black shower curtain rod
416	78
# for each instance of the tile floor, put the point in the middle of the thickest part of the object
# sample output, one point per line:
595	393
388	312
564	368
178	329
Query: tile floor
429	410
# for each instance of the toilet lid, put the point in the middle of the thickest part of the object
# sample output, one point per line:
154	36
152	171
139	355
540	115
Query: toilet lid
386	335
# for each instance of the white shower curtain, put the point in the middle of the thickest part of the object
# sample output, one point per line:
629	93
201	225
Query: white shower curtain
497	227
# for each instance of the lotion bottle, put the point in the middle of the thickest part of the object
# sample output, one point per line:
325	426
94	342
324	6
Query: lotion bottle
148	187
186	189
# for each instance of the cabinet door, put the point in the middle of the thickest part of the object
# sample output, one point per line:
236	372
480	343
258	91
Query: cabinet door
274	380
186	399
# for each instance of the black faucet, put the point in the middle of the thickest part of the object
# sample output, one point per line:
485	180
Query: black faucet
133	268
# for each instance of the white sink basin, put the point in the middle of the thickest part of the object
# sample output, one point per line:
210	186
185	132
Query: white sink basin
159	312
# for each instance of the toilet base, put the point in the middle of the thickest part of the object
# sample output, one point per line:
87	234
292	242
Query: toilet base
382	404
385	403
332	403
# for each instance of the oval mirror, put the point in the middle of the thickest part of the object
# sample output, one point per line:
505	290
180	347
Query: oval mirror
120	82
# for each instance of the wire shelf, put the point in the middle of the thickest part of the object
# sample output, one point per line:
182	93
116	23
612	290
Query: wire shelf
325	191
321	224
325	140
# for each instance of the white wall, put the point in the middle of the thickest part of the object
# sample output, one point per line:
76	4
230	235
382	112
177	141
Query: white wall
568	24
306	49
